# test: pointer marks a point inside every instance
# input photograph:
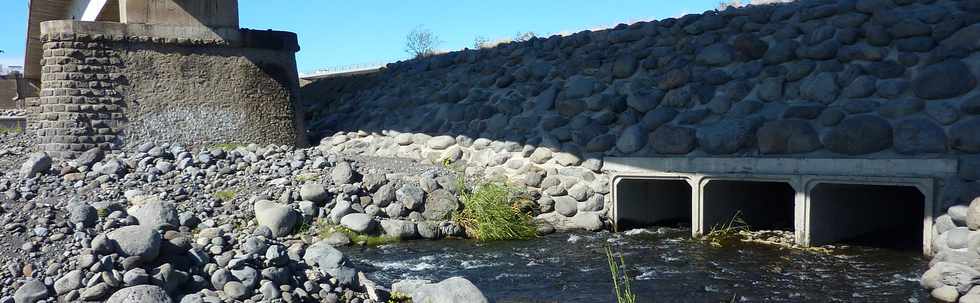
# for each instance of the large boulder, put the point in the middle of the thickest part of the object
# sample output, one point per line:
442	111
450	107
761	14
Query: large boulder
140	293
358	222
342	173
153	212
277	217
566	206
821	87
452	290
859	135
717	54
632	139
440	205
787	137
727	136
949	274
313	192
963	136
579	87
36	163
919	136
670	139
136	240
411	196
973	214
399	229
330	261
943	80
32	291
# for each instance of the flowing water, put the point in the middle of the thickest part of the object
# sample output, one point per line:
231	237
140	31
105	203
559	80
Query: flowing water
664	264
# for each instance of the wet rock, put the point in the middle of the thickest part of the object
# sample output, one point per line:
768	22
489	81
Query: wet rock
358	222
399	229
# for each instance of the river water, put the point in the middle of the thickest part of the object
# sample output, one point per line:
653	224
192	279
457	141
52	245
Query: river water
664	264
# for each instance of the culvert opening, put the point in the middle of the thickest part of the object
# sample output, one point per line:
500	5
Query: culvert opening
883	216
653	202
763	205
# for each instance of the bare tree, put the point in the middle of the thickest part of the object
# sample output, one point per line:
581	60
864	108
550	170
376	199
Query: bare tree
521	37
421	42
481	42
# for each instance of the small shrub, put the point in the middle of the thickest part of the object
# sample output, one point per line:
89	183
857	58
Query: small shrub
491	212
621	279
102	212
225	195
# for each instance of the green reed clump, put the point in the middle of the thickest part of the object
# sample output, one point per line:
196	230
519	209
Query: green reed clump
491	212
621	279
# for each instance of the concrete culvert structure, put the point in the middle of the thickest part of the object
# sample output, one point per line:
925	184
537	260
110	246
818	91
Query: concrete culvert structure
653	202
764	205
886	216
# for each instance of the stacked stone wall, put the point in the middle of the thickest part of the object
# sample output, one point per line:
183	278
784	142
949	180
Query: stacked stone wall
828	79
109	90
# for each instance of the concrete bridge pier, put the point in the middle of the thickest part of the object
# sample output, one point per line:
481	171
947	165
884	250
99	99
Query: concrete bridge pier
884	203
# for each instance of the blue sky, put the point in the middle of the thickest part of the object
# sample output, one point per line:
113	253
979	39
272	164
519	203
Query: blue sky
337	33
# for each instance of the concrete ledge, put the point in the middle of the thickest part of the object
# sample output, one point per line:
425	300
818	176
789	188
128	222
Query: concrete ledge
786	166
172	34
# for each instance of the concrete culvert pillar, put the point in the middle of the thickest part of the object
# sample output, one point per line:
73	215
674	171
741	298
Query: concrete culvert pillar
642	202
764	205
886	216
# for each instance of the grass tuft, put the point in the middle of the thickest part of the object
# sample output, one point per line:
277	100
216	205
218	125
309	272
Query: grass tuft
11	130
491	212
398	297
306	177
324	229
621	279
227	146
733	230
225	195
